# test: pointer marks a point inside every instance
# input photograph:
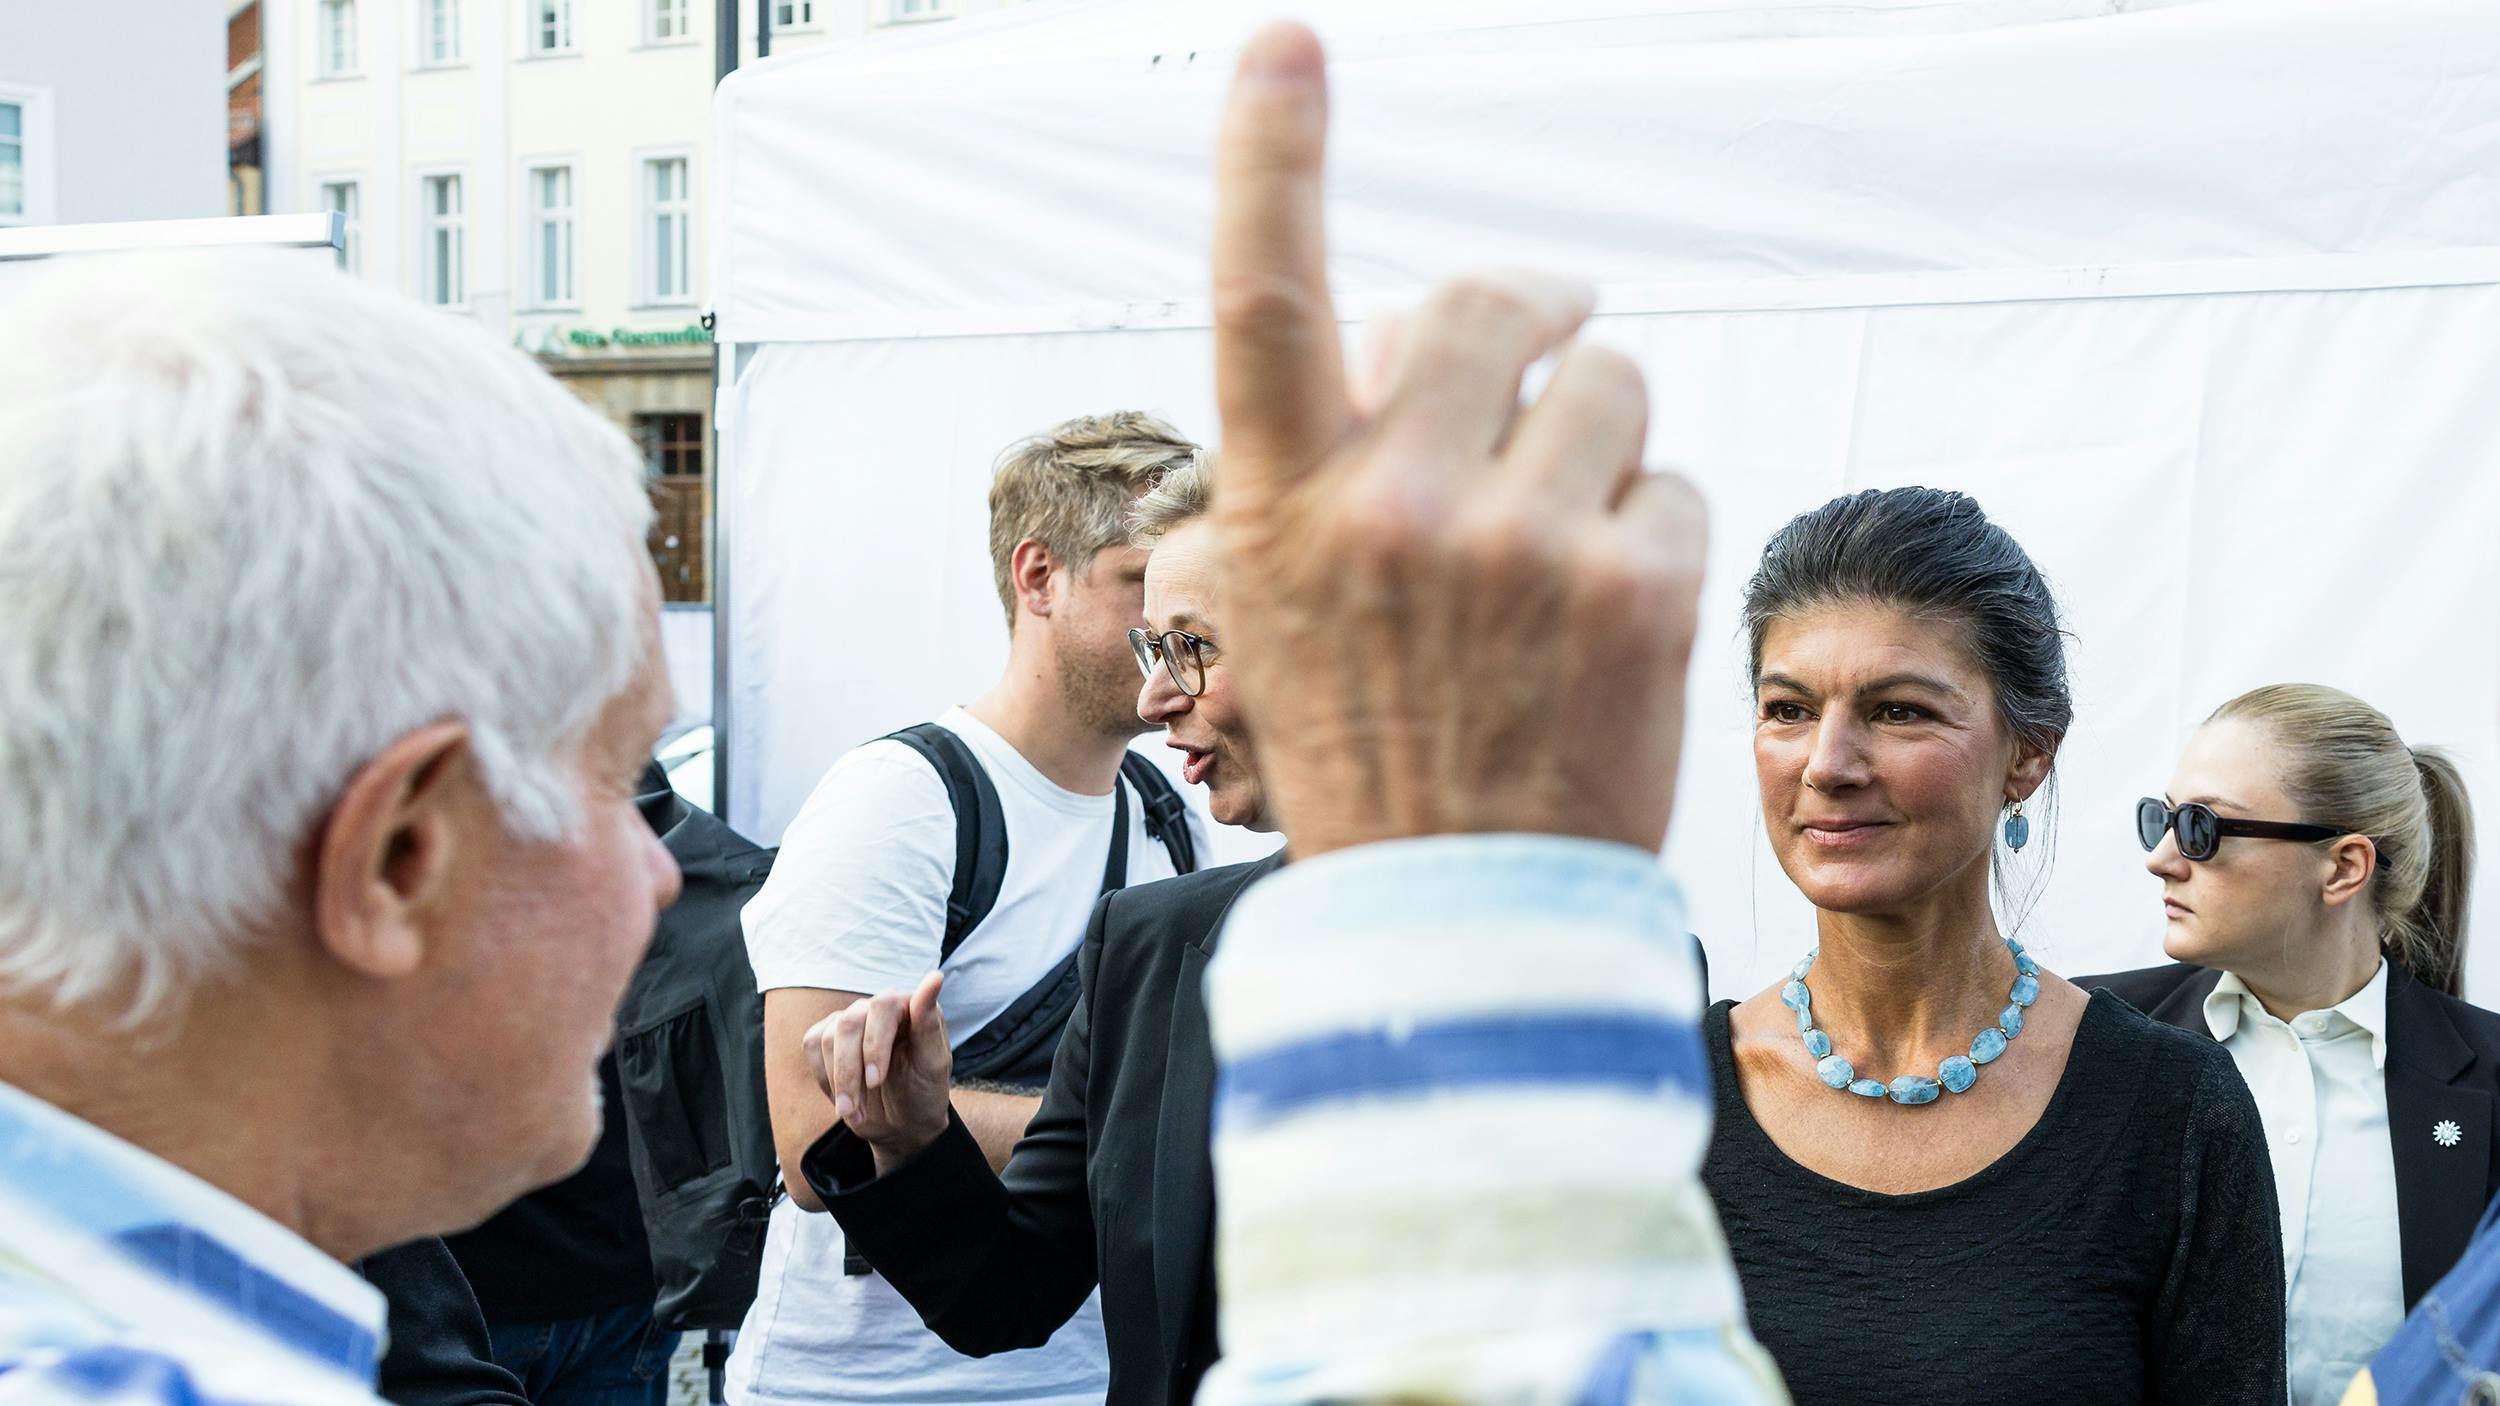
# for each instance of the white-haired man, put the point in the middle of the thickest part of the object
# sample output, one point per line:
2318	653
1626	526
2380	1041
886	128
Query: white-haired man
330	664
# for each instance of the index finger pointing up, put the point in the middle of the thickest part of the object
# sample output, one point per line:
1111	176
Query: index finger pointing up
1279	382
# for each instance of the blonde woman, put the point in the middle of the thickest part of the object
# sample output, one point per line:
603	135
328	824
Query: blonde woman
2314	875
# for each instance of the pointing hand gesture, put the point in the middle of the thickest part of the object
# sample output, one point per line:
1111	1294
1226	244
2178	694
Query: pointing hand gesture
1451	613
884	1063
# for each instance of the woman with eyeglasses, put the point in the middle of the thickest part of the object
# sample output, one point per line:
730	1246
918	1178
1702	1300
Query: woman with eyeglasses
1946	1173
2314	873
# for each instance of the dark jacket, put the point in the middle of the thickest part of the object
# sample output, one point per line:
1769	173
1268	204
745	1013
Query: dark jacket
1111	1184
2443	1066
438	1349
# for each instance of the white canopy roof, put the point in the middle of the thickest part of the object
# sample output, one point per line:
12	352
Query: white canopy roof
1045	167
2197	300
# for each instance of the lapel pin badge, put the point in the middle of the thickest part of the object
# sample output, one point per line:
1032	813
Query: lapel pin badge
2446	1133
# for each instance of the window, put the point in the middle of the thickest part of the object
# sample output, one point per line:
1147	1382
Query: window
440	40
337	38
668	226
668	21
905	11
341	196
12	161
672	445
794	14
25	156
551	26
551	236
444	247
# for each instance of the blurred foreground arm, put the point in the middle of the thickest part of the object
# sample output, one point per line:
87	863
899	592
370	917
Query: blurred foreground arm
1463	1101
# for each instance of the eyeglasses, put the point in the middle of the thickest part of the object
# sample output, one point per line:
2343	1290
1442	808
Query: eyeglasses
2201	831
1182	654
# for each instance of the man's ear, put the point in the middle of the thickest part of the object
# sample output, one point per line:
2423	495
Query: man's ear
390	849
1030	570
2350	863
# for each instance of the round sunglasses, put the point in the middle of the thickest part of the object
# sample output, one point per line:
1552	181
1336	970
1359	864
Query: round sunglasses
2201	832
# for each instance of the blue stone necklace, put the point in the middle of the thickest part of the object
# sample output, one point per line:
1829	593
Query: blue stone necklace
1956	1074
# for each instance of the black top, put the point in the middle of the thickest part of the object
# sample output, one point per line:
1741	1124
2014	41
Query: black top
2443	1066
2126	1250
1111	1183
438	1349
570	1250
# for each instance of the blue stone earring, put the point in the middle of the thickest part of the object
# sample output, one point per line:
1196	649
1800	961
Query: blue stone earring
2017	828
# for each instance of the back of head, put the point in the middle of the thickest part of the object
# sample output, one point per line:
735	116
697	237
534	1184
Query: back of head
1071	488
2344	766
1927	552
257	520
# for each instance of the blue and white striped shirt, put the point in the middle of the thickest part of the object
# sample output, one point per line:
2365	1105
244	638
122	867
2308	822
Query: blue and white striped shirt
1459	1126
126	1281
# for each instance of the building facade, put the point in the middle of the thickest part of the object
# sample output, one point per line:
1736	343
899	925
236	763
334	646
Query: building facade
540	166
246	188
97	128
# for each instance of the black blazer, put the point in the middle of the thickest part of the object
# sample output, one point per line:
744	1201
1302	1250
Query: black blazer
2443	1066
1111	1184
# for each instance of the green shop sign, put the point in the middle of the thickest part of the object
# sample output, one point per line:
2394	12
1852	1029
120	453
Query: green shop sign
691	335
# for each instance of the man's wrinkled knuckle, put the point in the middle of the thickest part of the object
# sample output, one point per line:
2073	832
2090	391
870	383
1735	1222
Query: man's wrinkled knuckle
1626	575
1384	523
1261	303
1478	302
1608	375
1503	540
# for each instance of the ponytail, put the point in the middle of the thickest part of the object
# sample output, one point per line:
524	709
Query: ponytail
2430	939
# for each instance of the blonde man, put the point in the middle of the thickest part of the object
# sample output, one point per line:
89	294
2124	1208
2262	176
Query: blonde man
859	902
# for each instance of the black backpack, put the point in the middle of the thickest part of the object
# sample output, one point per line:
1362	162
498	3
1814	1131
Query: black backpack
690	1063
690	1032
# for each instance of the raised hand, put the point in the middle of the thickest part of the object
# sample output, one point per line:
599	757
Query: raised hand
885	1064
1450	614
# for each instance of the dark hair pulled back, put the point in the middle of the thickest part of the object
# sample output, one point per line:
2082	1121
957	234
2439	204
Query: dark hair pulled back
1932	553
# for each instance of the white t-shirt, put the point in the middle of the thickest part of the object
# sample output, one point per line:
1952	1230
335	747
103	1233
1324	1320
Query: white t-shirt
857	902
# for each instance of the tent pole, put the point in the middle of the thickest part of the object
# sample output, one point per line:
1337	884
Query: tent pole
725	62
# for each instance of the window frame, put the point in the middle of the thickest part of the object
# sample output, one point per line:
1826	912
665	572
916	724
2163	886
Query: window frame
425	177
651	36
37	180
813	22
532	29
323	70
352	252
533	262
938	10
647	293
423	48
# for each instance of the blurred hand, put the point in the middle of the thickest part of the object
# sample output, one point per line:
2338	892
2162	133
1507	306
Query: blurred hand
1451	614
885	1064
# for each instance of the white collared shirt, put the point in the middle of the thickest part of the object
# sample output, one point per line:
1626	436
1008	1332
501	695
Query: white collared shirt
2320	1082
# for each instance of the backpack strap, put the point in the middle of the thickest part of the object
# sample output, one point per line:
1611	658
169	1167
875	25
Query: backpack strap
1167	815
1115	865
980	829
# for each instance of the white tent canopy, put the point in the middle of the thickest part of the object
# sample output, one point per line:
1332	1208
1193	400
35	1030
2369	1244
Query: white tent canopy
2197	301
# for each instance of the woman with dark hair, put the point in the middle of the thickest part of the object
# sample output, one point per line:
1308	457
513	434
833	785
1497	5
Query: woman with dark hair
1947	1174
2314	876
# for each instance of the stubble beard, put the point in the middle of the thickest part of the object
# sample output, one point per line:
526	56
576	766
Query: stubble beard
1101	691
